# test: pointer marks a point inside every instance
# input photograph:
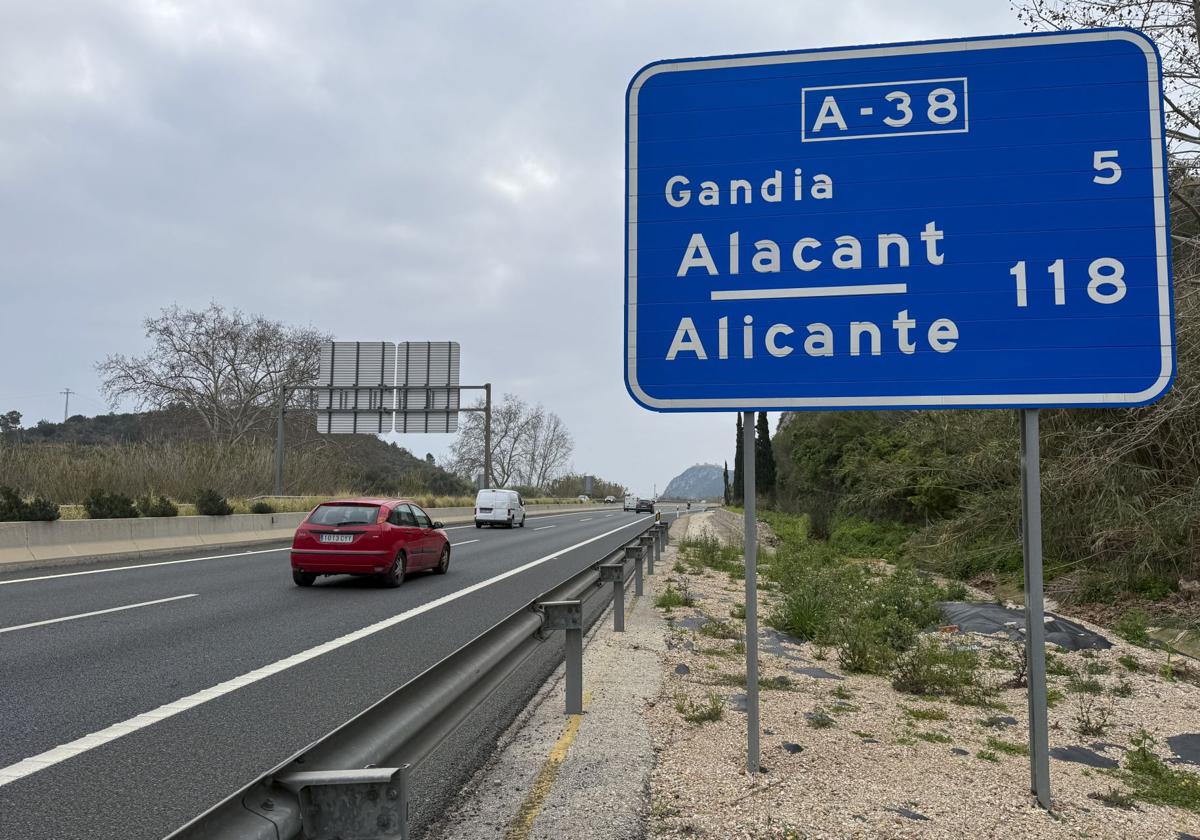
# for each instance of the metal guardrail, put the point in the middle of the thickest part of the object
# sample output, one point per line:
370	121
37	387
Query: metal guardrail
354	782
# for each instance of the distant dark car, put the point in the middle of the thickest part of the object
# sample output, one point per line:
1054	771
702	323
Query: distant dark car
644	506
389	538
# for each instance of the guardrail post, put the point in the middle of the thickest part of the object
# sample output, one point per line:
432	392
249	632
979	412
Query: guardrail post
635	553
648	543
614	573
568	616
372	802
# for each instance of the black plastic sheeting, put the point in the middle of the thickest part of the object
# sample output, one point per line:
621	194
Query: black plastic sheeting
993	618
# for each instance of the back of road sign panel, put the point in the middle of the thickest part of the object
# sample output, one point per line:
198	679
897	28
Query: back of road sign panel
1007	198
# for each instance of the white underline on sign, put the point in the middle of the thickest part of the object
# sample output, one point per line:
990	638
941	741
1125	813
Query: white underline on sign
811	291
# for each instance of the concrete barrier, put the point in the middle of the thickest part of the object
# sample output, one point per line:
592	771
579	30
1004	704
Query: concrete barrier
44	543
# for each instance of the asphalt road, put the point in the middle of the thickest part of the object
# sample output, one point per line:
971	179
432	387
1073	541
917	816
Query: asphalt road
211	620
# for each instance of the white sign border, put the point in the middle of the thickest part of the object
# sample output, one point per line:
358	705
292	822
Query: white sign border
909	401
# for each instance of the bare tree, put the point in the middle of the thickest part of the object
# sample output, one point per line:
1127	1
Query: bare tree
546	448
226	366
530	445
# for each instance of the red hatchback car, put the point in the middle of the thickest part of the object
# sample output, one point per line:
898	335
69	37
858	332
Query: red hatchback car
385	537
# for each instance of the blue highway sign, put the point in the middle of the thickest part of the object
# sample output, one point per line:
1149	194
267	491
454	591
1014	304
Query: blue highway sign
970	223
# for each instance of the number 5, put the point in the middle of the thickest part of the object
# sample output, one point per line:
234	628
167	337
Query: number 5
1110	166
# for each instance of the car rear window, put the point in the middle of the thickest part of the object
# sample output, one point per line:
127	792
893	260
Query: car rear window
344	515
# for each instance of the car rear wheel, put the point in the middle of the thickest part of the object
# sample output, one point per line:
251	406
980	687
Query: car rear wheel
443	565
303	578
522	521
394	576
478	524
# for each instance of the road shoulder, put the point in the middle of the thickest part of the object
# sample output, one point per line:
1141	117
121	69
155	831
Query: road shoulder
588	775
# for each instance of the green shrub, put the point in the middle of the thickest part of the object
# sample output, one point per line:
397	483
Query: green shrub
927	713
262	507
1133	627
11	504
14	508
861	538
102	505
933	669
156	506
934	737
212	503
41	510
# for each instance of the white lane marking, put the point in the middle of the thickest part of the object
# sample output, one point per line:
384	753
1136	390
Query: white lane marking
143	566
589	519
607	515
464	542
59	754
94	612
544	527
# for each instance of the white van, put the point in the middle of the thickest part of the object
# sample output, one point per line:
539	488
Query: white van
630	503
499	507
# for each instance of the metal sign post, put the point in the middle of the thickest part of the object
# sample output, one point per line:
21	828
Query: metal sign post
974	223
1035	621
750	551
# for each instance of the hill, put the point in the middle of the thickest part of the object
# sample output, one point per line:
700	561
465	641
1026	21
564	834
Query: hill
702	481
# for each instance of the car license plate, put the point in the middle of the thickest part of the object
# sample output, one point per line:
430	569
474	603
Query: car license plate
337	538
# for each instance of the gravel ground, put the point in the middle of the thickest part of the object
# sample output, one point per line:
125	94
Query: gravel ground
878	772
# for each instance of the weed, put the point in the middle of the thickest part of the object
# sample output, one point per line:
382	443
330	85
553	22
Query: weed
1056	667
679	568
779	683
1134	627
820	653
1095	669
934	737
1084	685
1114	797
1091	719
1054	697
711	709
715	628
1130	663
1122	689
713	651
925	713
862	734
672	597
818	718
993	722
843	708
987	755
738	611
841	692
997	745
1154	782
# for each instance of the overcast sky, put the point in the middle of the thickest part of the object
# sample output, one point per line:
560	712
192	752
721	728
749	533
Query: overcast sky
382	170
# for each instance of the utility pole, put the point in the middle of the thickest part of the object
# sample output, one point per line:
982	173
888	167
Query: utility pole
67	408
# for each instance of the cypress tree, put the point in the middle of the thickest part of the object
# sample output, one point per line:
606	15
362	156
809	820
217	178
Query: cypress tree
764	456
728	493
737	463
